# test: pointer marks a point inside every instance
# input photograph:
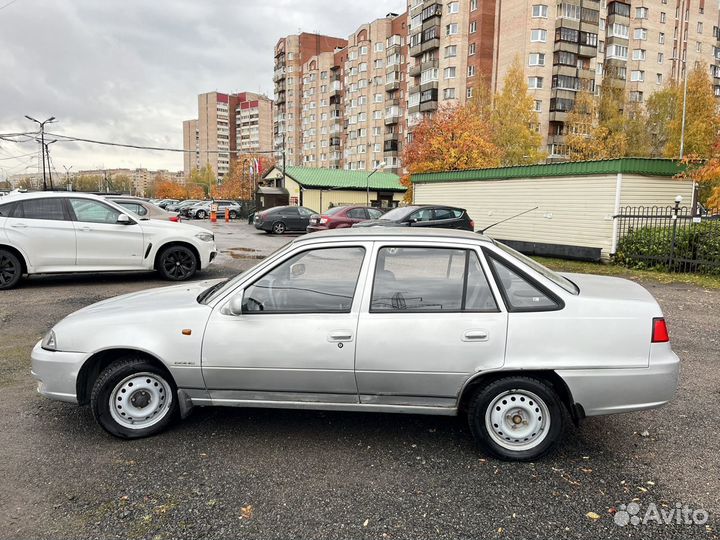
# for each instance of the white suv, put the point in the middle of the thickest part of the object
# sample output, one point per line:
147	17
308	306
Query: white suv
57	232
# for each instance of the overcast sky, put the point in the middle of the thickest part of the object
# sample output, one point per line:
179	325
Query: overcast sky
130	71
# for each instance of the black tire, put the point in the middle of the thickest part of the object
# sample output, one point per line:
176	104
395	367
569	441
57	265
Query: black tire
200	214
112	377
233	214
177	263
10	269
279	227
516	389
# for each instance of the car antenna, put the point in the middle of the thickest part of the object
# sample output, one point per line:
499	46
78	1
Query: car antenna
482	231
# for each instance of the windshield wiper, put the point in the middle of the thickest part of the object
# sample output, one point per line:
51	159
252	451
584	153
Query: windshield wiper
207	292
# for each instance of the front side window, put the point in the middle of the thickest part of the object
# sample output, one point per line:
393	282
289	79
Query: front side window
48	209
374	213
425	214
89	211
519	293
317	281
430	280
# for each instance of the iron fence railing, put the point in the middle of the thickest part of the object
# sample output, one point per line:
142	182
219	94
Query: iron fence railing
670	238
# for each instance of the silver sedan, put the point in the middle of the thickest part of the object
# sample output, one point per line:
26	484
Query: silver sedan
414	321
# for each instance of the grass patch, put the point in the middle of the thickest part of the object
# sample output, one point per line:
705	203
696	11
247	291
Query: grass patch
561	265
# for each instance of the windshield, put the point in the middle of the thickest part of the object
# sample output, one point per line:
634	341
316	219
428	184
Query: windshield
556	278
398	214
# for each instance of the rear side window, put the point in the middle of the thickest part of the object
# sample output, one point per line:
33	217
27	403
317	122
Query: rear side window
444	213
356	213
6	209
430	280
49	209
519	292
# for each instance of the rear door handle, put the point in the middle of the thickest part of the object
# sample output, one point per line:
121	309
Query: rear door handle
19	226
85	229
339	336
475	335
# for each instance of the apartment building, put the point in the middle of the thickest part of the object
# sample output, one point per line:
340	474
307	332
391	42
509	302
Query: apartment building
451	45
570	46
227	124
291	54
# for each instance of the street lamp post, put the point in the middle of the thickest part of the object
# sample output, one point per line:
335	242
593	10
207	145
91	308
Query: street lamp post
42	142
68	185
47	153
375	169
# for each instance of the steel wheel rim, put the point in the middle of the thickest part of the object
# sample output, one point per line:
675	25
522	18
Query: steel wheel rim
278	228
178	263
140	400
8	270
517	420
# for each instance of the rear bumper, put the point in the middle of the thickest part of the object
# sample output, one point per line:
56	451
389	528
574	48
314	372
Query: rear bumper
609	391
56	373
316	228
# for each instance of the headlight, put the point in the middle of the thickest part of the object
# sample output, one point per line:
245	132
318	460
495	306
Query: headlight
49	342
205	237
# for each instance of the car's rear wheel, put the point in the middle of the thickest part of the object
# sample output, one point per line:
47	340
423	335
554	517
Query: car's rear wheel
233	214
10	269
200	214
278	227
177	263
516	418
133	398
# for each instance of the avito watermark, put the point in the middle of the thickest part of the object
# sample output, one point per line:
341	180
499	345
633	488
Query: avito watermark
680	514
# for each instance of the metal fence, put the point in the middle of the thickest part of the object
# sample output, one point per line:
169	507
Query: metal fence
670	238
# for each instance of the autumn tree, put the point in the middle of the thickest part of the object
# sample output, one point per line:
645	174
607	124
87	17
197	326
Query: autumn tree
205	178
242	177
87	182
701	119
455	138
660	110
167	189
513	120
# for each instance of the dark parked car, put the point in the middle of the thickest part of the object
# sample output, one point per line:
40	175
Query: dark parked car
439	217
342	217
279	219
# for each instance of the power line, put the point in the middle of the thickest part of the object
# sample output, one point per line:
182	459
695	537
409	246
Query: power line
18	157
10	3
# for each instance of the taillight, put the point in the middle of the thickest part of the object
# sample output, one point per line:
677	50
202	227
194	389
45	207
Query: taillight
175	219
660	332
323	220
472	225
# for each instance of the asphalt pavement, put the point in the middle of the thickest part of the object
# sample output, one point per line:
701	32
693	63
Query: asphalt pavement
252	473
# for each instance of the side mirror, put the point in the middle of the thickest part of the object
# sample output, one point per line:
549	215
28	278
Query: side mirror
235	306
124	219
297	270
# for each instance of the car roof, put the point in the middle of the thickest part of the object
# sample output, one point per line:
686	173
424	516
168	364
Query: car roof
45	194
381	233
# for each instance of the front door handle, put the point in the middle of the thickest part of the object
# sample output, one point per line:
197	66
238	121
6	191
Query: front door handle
339	336
475	335
85	229
19	226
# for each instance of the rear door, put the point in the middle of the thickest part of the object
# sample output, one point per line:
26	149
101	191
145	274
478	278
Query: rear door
102	242
356	215
42	230
430	319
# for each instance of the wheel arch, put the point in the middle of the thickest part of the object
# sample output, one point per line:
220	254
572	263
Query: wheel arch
166	245
96	363
19	254
548	376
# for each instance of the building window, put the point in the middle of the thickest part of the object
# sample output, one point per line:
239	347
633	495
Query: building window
449	93
454	7
537	59
638	54
636	97
661	38
451	29
658	78
637	76
641	13
450	51
699	27
469	93
450	72
569	11
379	47
537	105
660	58
363	50
663	17
471	49
617	51
473	27
640	33
540	11
618	30
471	71
538	35
535	82
473	5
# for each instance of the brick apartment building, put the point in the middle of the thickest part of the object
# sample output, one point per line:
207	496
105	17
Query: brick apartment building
227	124
352	103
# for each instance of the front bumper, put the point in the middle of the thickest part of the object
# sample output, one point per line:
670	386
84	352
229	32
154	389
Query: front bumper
208	253
56	373
608	391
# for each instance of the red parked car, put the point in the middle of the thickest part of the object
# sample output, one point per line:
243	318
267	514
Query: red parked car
341	217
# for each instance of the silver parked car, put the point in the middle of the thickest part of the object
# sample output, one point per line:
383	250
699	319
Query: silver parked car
144	209
378	319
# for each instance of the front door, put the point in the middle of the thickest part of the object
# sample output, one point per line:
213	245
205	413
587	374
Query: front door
102	242
295	338
429	321
42	229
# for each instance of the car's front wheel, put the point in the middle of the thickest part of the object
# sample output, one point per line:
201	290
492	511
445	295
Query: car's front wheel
200	214
177	263
516	418
278	227
233	214
133	398
10	269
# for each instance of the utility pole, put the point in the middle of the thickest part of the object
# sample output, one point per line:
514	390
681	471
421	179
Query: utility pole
42	142
376	169
283	160
684	112
68	185
47	153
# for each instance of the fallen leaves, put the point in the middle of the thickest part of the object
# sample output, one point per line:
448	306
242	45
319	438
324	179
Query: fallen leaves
593	516
246	512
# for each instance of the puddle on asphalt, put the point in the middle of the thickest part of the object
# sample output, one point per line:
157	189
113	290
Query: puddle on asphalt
243	253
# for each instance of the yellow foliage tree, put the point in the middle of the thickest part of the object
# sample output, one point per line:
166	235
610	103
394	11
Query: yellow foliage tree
455	138
242	177
514	120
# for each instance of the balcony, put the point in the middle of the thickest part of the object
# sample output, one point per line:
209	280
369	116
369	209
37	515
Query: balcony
392	84
279	74
391	146
416	69
334	142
